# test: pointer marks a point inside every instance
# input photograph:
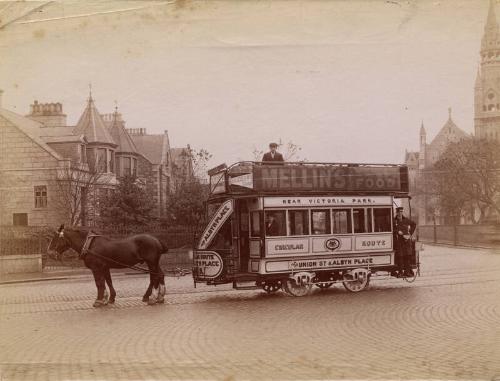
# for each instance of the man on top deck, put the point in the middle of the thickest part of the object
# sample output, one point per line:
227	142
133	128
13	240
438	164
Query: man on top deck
403	232
273	156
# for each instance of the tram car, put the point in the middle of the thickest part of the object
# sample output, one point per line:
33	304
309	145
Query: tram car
290	226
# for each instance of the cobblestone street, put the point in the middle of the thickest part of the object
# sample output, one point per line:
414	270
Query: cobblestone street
446	325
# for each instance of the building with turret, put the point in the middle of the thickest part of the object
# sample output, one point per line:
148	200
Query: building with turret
52	173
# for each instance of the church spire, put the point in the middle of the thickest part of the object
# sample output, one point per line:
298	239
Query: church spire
490	29
422	129
477	83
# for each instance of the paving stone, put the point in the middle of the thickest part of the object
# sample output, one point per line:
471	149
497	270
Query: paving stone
445	325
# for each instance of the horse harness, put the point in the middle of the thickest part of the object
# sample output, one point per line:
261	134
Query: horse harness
86	246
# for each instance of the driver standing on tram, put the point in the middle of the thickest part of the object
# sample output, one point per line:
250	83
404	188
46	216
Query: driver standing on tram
403	232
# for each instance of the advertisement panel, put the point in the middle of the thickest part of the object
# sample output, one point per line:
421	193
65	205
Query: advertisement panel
208	264
326	263
218	219
330	178
374	242
314	201
285	246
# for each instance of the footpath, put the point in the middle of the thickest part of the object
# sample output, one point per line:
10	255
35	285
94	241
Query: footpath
60	273
64	273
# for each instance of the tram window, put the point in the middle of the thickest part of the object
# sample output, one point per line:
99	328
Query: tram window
320	220
341	221
275	223
255	224
298	221
362	220
382	219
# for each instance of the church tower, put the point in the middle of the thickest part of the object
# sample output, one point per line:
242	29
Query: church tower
487	86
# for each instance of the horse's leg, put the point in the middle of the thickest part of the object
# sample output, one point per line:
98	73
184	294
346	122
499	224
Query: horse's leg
162	288
101	287
146	296
154	269
109	282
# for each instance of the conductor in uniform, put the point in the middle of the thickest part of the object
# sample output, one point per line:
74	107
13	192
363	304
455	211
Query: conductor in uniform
403	242
273	156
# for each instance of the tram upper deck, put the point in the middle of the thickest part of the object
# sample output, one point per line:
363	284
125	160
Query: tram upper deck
292	178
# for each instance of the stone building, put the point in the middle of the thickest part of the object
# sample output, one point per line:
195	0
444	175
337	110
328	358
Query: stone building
487	85
421	161
52	173
486	123
156	152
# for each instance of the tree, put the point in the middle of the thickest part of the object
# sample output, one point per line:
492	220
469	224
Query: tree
191	162
290	151
466	177
186	205
128	204
75	182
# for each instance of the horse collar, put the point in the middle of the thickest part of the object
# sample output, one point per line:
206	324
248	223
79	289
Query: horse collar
86	246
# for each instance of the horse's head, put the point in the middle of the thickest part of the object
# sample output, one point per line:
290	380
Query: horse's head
59	241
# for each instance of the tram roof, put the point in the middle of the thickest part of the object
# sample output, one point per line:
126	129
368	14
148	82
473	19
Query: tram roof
250	178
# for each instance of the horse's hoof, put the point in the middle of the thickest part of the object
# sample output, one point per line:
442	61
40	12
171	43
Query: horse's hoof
111	301
145	299
151	302
160	301
98	303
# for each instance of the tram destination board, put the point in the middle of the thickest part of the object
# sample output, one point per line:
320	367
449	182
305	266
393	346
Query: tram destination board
324	178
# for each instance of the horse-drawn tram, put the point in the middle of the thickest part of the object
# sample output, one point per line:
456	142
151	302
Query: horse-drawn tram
295	225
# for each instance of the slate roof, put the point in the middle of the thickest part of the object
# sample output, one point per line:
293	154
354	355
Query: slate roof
60	135
154	147
92	126
121	136
30	128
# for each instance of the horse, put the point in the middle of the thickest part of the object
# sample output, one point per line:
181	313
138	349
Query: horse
100	254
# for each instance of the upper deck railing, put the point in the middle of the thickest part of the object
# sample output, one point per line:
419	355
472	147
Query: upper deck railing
308	178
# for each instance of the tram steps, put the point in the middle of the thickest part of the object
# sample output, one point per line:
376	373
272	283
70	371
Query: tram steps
248	285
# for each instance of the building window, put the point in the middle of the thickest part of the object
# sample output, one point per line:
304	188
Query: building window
111	161
101	160
135	171
20	219
41	196
127	166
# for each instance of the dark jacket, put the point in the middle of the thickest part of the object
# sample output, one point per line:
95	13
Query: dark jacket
406	226
269	158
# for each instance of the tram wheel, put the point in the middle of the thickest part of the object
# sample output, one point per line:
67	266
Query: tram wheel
292	288
324	286
356	282
271	287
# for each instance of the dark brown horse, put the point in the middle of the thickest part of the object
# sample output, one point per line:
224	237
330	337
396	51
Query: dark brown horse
100	254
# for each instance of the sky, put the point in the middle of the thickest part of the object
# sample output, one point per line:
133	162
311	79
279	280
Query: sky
348	81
